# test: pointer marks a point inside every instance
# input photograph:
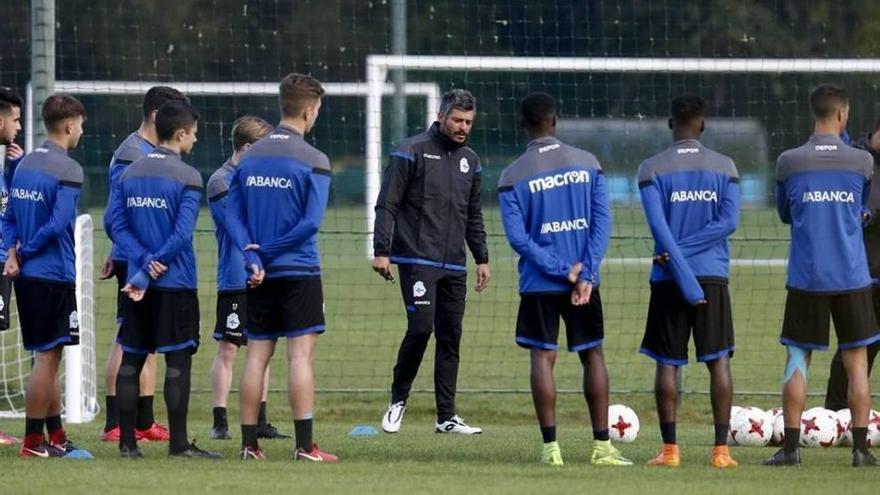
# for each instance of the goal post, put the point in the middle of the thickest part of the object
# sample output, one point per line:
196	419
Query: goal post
80	390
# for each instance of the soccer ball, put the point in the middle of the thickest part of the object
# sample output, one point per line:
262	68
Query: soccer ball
818	428
778	423
623	423
844	431
778	436
734	410
874	429
751	427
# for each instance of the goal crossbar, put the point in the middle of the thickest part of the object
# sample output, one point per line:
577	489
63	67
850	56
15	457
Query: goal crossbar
379	65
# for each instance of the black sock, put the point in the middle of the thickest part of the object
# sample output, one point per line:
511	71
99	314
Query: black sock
721	431
127	390
667	431
145	417
112	420
34	426
548	433
601	435
53	424
860	439
792	438
303	431
220	420
178	369
249	436
261	418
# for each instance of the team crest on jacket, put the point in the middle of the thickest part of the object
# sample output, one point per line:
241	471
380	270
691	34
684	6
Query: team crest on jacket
232	321
464	166
419	289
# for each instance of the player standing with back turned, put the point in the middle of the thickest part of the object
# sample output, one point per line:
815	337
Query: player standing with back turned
822	190
276	203
556	214
690	195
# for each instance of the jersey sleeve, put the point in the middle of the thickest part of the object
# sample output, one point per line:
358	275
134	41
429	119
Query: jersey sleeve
600	229
308	225
681	271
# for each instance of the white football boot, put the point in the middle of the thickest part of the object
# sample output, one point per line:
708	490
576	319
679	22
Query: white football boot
393	417
457	425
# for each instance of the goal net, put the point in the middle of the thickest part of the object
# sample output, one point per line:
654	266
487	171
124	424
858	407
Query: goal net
78	371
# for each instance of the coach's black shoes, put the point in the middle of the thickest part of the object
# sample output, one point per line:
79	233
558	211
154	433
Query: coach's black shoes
864	459
194	452
267	430
783	458
127	452
220	433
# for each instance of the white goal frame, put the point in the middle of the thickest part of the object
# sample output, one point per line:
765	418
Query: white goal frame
80	394
379	65
430	91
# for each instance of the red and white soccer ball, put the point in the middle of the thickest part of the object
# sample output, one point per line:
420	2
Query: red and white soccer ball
751	427
874	429
734	410
819	428
623	423
844	428
778	436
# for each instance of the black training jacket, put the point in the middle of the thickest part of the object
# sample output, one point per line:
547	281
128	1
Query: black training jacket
872	229
429	204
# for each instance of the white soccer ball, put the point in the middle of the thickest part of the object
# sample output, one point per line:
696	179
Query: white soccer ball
778	437
778	431
623	423
818	428
751	427
844	431
734	410
874	429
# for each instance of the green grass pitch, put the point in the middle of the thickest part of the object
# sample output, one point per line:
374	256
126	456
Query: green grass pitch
365	321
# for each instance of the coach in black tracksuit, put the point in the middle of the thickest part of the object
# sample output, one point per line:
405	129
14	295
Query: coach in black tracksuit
835	397
428	207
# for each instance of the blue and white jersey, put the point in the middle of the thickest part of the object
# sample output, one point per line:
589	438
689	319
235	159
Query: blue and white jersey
41	212
277	199
231	269
555	210
822	189
154	211
132	148
690	195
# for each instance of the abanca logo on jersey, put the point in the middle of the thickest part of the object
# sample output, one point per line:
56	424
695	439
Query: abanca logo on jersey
146	202
263	181
681	196
564	226
26	194
559	180
829	197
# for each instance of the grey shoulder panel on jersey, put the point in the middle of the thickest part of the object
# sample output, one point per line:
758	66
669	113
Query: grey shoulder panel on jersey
164	167
218	183
807	158
70	172
535	161
686	158
129	150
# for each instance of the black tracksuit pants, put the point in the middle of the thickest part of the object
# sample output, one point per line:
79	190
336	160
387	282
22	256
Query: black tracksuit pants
435	300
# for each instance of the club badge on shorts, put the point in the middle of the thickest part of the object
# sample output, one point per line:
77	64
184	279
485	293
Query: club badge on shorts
464	166
73	320
232	321
419	289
